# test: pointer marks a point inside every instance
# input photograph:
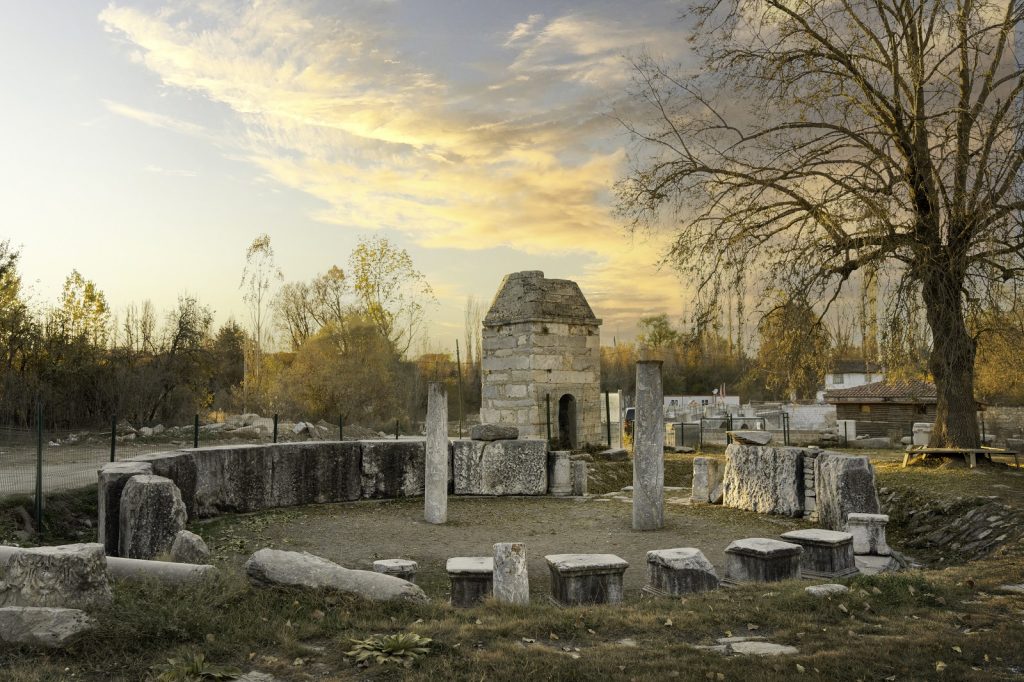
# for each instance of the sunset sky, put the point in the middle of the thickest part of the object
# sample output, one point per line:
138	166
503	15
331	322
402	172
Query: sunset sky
147	144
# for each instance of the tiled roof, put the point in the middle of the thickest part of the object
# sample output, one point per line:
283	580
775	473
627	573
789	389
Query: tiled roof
906	391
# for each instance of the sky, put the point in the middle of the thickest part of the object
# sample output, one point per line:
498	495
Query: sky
146	144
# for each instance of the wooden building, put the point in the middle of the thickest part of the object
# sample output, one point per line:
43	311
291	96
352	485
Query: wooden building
885	408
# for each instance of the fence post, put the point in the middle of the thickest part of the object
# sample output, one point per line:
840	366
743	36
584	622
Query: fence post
195	431
275	427
341	428
396	429
113	438
458	365
39	467
608	417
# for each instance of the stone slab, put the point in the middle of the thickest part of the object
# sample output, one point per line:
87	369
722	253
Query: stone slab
827	590
679	571
62	576
152	514
761	560
769	480
111	481
471	580
844	484
42	626
510	467
493	432
393	468
826	553
708	473
586	578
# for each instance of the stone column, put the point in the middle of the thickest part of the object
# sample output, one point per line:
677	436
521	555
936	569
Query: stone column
559	473
649	448
511	582
435	479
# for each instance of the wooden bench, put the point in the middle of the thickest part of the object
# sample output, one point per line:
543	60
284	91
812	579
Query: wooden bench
970	455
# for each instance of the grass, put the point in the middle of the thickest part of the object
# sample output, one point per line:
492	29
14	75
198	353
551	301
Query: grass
947	624
67	517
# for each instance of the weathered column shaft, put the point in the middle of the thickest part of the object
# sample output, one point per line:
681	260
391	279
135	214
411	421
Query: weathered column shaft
649	448
511	582
435	493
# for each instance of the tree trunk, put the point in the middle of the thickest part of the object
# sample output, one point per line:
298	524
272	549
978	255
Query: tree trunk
952	359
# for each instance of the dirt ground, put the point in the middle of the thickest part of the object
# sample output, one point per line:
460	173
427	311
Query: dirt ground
355	534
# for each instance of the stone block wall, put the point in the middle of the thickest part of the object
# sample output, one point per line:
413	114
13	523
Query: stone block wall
524	362
817	484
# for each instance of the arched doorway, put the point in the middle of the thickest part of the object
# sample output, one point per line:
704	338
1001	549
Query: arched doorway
567	421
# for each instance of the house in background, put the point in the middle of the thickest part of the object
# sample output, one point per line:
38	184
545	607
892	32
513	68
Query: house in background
850	374
885	408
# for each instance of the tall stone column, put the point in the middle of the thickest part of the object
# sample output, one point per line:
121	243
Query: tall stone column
511	582
435	479
649	448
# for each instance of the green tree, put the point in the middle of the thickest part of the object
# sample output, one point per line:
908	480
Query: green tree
821	138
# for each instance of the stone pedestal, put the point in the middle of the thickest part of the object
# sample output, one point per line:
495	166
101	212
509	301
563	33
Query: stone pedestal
152	513
708	474
868	532
471	578
649	448
761	560
680	571
586	578
511	580
580	472
64	576
827	553
112	478
559	473
400	568
435	479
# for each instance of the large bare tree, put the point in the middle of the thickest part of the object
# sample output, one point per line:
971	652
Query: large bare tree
822	137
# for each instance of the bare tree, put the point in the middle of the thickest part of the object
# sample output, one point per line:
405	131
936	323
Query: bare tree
258	276
826	136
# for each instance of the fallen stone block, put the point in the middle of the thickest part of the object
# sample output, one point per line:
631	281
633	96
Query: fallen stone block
119	568
504	467
586	578
152	513
493	432
827	590
680	571
65	576
471	579
189	548
42	626
272	567
180	467
761	560
400	568
827	553
868	531
844	484
111	481
768	480
708	474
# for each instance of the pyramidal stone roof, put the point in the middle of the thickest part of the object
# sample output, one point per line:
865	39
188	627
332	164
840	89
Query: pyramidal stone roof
528	297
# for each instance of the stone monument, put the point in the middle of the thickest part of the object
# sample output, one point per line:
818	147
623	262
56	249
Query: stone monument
541	348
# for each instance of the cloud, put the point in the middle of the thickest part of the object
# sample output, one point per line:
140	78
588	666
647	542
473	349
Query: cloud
154	119
331	106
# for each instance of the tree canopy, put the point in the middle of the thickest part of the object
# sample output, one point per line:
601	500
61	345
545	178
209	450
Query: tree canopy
819	138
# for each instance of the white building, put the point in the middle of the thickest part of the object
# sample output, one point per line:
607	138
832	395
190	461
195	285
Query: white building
850	374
